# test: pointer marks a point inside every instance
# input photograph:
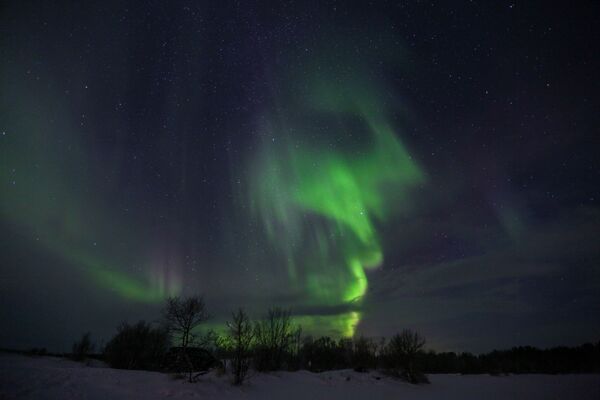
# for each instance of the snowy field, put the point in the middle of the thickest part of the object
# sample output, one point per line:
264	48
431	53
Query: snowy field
24	377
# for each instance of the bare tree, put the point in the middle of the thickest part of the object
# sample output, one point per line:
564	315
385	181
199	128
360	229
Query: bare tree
182	316
241	337
402	351
273	336
83	347
363	354
294	348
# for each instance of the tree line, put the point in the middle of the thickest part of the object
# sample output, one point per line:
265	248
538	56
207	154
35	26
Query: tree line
274	342
517	360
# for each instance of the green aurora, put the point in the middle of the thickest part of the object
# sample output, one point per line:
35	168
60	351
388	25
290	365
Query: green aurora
320	205
52	201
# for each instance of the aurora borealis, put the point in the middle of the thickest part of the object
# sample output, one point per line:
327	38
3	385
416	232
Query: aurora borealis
51	204
369	167
320	207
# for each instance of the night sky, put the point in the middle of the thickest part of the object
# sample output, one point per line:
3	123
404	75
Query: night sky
373	166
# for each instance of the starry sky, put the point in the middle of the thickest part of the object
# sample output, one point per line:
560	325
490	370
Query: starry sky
372	166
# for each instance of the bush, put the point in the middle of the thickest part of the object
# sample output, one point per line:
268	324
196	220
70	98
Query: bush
401	356
37	351
179	361
273	337
323	354
364	354
240	339
82	348
137	346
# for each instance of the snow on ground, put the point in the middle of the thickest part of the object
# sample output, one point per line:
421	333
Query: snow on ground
23	377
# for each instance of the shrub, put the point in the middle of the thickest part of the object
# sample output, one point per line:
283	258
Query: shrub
138	346
273	336
240	339
364	354
176	360
37	351
322	354
401	356
82	348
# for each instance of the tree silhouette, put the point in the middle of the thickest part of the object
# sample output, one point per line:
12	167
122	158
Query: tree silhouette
273	336
182	316
241	337
82	348
402	351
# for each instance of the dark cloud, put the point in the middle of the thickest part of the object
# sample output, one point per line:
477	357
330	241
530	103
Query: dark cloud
551	268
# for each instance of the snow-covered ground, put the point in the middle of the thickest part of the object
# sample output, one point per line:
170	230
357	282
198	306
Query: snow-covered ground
24	377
